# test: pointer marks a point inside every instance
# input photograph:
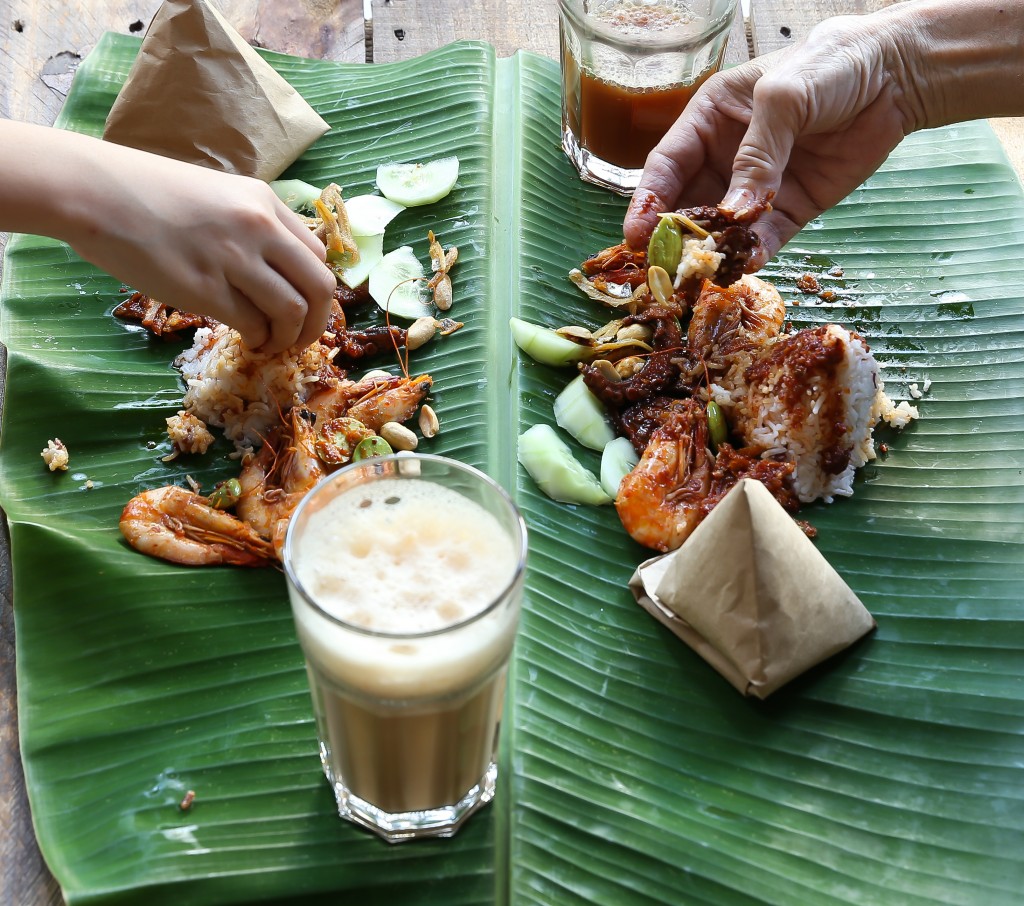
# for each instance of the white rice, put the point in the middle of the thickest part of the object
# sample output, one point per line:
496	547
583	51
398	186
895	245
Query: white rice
55	455
188	434
764	419
896	416
699	258
241	391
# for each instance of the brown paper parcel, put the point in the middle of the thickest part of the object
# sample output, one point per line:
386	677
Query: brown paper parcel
752	595
198	92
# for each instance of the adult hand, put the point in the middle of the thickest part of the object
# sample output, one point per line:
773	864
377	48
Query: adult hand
799	129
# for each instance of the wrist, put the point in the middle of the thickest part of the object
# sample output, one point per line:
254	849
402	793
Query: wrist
956	60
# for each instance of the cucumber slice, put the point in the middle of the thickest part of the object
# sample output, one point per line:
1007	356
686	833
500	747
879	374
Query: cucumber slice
581	413
545	346
416	184
298	195
393	288
617	461
557	472
370	214
371	252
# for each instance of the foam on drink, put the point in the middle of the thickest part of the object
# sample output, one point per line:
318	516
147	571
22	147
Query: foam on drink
404	556
636	18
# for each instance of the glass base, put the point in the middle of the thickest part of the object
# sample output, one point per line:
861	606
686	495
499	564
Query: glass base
397	827
599	172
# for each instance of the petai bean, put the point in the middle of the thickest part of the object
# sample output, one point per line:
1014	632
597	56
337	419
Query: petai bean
717	428
666	246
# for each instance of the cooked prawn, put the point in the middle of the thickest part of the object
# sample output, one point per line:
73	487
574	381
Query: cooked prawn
659	502
275	479
180	526
372	401
745	316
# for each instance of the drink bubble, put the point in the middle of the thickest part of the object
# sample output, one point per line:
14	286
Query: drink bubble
635	18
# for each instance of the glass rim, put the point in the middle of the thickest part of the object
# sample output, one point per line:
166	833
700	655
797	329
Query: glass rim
573	10
473	472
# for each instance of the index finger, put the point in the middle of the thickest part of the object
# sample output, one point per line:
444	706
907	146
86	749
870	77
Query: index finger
676	158
315	283
294	223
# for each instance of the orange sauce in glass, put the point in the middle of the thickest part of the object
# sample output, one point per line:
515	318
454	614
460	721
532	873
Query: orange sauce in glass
621	125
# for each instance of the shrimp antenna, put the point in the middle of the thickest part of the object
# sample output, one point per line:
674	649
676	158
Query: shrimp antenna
403	362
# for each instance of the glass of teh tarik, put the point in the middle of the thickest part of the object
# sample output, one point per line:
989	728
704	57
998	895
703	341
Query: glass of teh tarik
629	67
405	576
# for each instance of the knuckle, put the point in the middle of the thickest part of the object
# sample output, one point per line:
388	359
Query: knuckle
255	335
294	309
329	284
255	217
774	89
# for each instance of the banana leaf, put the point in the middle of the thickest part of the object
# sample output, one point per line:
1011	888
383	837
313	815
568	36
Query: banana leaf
631	772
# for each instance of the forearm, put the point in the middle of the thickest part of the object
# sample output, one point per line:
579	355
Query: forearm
959	59
41	178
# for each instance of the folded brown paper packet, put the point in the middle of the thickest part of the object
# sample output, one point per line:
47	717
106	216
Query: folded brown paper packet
752	595
198	92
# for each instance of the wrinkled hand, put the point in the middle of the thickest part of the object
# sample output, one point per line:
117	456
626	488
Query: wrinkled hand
800	129
209	243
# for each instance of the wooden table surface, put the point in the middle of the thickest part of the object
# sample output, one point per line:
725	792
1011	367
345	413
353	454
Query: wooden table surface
41	44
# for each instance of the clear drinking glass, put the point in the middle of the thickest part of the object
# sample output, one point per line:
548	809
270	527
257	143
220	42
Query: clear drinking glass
405	577
628	69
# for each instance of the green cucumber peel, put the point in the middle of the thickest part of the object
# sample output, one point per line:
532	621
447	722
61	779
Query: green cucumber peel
371	253
397	285
582	414
557	472
618	459
416	184
298	195
547	347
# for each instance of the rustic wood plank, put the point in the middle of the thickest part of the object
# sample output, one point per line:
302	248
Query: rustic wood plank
778	24
402	29
407	28
738	48
320	29
43	42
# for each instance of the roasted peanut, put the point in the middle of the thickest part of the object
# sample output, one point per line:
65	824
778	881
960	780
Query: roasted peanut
398	436
420	332
429	425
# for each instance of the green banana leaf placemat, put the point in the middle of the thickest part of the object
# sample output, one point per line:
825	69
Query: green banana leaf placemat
632	773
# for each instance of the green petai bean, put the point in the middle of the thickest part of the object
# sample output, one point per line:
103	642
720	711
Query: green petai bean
717	428
666	246
225	494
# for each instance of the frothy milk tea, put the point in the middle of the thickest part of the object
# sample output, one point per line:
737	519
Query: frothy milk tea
407	712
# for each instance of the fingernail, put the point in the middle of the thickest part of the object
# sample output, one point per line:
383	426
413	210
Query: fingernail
758	259
737	200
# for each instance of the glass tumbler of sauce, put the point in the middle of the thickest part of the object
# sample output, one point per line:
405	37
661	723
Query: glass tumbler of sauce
629	67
